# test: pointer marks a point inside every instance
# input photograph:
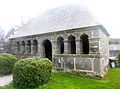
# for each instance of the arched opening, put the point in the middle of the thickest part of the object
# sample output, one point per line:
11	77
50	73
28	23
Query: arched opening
18	47
60	44
71	45
85	43
29	46
35	46
47	49
23	46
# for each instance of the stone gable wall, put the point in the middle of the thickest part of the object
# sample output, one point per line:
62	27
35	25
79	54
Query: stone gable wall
104	50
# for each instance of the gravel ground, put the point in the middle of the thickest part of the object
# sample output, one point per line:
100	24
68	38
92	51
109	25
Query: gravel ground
5	80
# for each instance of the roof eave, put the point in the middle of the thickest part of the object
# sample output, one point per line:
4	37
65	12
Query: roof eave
104	30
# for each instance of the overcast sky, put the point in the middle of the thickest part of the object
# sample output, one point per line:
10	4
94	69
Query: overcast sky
14	12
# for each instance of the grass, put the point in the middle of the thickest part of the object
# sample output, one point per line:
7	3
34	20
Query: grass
69	81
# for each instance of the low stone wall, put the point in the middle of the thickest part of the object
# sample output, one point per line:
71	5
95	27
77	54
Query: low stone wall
87	65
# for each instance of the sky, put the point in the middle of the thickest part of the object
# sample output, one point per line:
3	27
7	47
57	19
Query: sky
14	13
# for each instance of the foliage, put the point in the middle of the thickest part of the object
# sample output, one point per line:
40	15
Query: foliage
118	56
69	81
29	73
7	62
2	40
114	41
5	44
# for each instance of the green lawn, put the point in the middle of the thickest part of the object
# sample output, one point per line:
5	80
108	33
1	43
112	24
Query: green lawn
70	81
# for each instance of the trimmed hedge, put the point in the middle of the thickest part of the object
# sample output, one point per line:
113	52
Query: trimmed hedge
30	73
7	62
118	56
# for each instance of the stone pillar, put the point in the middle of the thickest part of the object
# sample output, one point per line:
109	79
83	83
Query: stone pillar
40	47
74	61
26	48
66	51
81	46
22	49
15	48
54	47
78	46
32	50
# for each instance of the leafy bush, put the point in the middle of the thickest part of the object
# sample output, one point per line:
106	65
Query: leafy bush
7	62
114	41
118	56
29	73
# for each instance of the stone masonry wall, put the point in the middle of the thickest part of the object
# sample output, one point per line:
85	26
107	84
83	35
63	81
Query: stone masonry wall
80	62
104	50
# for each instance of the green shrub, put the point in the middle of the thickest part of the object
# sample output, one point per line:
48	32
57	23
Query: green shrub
7	62
29	73
118	56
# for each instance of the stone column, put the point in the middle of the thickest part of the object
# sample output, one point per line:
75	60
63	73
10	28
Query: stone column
32	49
74	61
81	46
54	48
22	49
15	48
66	51
40	47
78	46
26	48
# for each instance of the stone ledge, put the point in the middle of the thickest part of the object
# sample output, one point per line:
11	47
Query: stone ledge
97	55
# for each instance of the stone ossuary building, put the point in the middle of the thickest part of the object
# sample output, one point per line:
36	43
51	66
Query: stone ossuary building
70	36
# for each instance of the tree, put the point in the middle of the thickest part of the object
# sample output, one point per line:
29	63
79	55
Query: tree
2	40
114	41
118	56
5	44
11	32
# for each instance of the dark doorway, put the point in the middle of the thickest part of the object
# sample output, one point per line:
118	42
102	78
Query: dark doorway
71	45
48	49
85	43
60	44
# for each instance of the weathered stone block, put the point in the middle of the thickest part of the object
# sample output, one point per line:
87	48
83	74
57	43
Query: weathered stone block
83	64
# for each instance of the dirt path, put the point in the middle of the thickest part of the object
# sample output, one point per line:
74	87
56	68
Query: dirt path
5	80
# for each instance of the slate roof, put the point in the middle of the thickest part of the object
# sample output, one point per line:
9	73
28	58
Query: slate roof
58	19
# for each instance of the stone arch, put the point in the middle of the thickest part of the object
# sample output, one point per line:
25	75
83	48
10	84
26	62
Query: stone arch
60	45
85	43
23	46
71	44
29	46
18	46
35	46
47	49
